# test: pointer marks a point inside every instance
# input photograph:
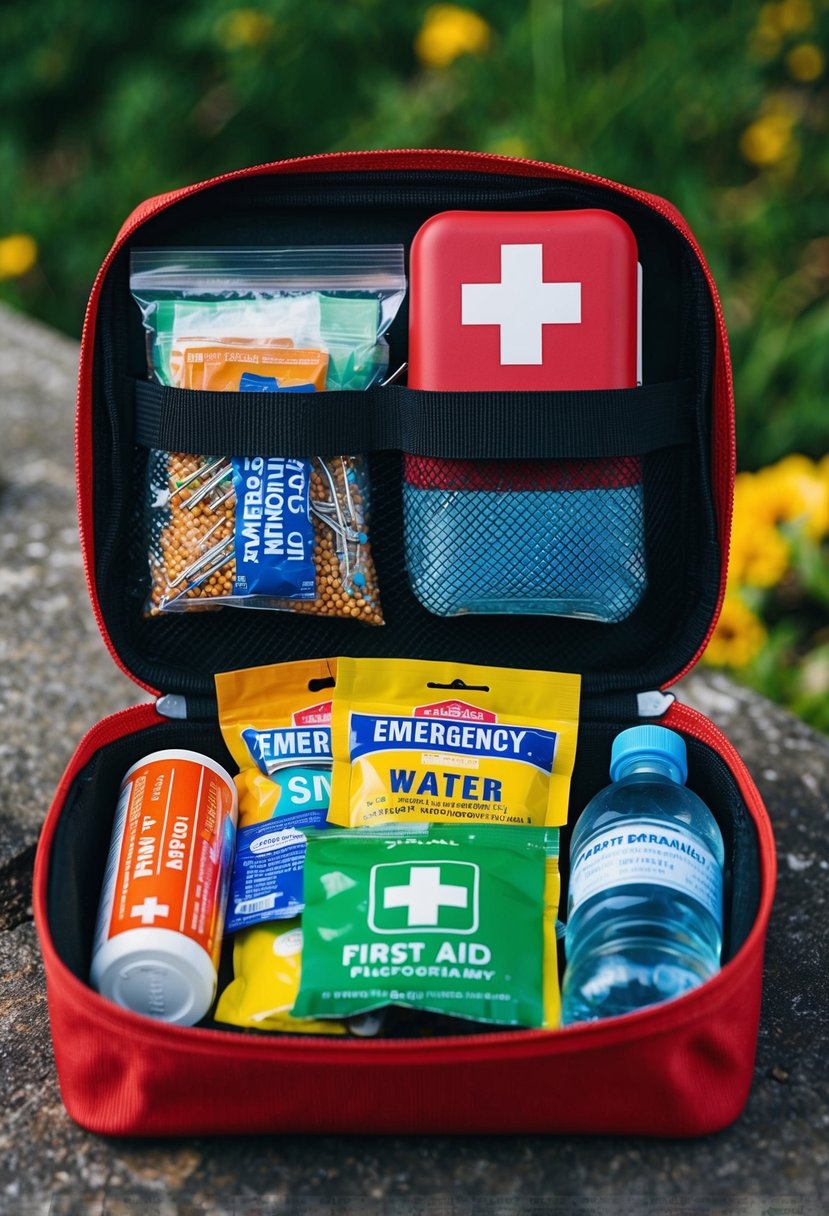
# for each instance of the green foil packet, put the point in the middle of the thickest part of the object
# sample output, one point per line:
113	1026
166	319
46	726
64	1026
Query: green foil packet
452	919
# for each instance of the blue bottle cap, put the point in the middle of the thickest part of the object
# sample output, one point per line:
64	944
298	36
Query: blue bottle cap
650	742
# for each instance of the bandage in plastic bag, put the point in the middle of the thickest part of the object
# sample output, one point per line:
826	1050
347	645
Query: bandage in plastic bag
264	531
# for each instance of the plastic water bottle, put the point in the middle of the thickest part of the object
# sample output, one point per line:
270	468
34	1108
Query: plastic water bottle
645	902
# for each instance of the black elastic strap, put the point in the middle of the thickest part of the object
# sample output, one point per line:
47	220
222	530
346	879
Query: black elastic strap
517	425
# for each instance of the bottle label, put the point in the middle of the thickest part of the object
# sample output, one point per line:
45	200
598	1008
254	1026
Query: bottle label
169	861
643	853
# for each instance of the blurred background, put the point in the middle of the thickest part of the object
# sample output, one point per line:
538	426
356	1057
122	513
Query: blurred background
722	108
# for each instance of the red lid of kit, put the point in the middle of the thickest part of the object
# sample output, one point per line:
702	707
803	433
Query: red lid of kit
528	300
577	268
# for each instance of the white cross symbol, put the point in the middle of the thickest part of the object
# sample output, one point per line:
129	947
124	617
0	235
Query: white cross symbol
424	895
149	910
521	304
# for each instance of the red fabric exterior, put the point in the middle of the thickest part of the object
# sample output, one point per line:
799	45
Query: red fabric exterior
680	1069
649	1074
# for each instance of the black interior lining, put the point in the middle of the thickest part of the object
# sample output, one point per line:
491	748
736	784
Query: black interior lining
181	653
83	833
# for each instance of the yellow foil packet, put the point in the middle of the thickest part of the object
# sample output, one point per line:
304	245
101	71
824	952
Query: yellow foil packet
422	742
552	980
275	721
267	964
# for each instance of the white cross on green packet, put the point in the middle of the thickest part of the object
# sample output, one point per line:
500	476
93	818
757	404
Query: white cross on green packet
446	918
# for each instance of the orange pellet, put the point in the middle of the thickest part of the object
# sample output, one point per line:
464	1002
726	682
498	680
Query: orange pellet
187	534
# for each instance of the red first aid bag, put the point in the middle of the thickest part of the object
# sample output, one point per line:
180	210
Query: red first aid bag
683	1068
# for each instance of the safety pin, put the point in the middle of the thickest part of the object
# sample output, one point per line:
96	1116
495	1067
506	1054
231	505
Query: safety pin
198	581
394	377
209	485
205	574
210	531
331	517
339	528
215	503
323	508
203	471
347	485
342	534
332	485
225	544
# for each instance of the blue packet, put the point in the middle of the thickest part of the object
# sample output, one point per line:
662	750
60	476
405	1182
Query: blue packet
268	868
276	722
273	531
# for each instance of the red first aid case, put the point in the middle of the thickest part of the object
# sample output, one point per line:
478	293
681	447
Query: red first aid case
679	1069
548	300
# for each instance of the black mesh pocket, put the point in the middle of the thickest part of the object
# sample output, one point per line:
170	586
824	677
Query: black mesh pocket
553	537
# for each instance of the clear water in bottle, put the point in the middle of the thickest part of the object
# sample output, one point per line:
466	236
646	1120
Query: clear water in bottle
644	917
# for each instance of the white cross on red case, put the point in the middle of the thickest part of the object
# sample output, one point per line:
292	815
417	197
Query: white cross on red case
523	300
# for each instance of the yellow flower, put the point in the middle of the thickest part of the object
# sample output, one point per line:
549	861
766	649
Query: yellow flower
776	21
18	254
793	16
767	140
805	62
794	491
243	27
449	31
767	18
738	635
764	39
759	555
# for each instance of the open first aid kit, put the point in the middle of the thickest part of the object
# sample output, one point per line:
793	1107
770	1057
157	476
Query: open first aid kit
393	415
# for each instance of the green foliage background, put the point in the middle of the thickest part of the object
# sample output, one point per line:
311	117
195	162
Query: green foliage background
105	104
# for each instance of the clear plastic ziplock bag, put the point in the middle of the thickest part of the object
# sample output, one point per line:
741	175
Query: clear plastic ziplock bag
264	531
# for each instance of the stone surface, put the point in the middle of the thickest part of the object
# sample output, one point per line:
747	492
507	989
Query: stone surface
56	676
57	679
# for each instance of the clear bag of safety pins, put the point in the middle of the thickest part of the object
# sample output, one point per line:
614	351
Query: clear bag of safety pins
264	531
